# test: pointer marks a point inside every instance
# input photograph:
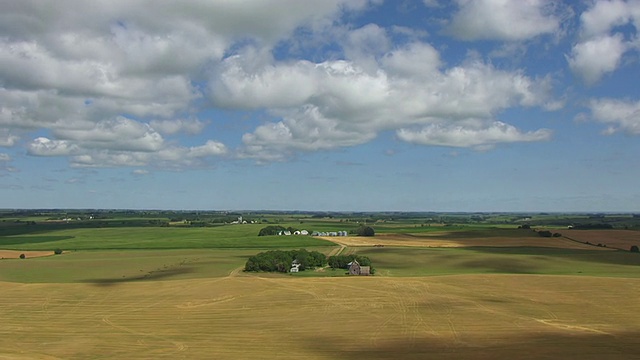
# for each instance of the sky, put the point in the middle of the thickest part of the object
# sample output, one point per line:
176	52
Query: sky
332	105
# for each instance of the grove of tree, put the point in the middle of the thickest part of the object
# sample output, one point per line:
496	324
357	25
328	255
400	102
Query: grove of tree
281	260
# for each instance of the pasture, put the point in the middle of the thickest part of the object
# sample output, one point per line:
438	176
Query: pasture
479	292
132	238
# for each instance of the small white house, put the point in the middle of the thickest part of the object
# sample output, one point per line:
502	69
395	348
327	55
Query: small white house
295	266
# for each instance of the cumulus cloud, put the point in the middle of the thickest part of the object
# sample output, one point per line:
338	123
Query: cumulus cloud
365	44
604	15
117	134
122	142
339	103
120	84
7	139
414	60
210	148
170	157
503	19
596	57
43	146
5	157
169	127
480	135
601	48
84	71
303	130
619	115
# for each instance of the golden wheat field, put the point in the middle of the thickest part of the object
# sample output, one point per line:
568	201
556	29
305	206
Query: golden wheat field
15	254
252	317
441	240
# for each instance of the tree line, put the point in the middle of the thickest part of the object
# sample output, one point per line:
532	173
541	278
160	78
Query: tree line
281	260
275	230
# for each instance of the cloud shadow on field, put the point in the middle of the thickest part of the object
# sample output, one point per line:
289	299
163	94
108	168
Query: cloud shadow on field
616	257
149	276
25	240
520	346
501	265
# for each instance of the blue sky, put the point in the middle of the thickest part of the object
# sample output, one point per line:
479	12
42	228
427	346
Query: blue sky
487	105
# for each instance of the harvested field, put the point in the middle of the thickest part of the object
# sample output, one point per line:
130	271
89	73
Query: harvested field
449	317
444	239
15	254
618	239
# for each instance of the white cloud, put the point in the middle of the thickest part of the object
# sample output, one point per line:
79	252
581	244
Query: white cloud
366	44
140	172
304	130
620	115
341	104
189	126
601	48
268	20
503	19
210	148
106	158
480	136
604	15
83	71
416	59
170	157
7	139
5	157
43	146
107	85
116	134
271	86
594	58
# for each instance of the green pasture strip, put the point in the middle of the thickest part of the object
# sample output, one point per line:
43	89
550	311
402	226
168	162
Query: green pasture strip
390	261
230	236
483	232
112	267
385	229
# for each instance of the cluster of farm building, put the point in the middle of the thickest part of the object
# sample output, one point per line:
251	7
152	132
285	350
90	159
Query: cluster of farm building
315	233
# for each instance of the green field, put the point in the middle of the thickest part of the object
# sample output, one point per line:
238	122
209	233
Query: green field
149	253
231	236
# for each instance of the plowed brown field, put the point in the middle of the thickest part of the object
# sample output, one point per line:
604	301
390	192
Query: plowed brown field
449	317
619	239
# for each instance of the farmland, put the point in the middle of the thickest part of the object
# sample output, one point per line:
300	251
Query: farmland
460	290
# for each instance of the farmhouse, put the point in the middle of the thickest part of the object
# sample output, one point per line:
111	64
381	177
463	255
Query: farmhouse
330	233
356	269
295	266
